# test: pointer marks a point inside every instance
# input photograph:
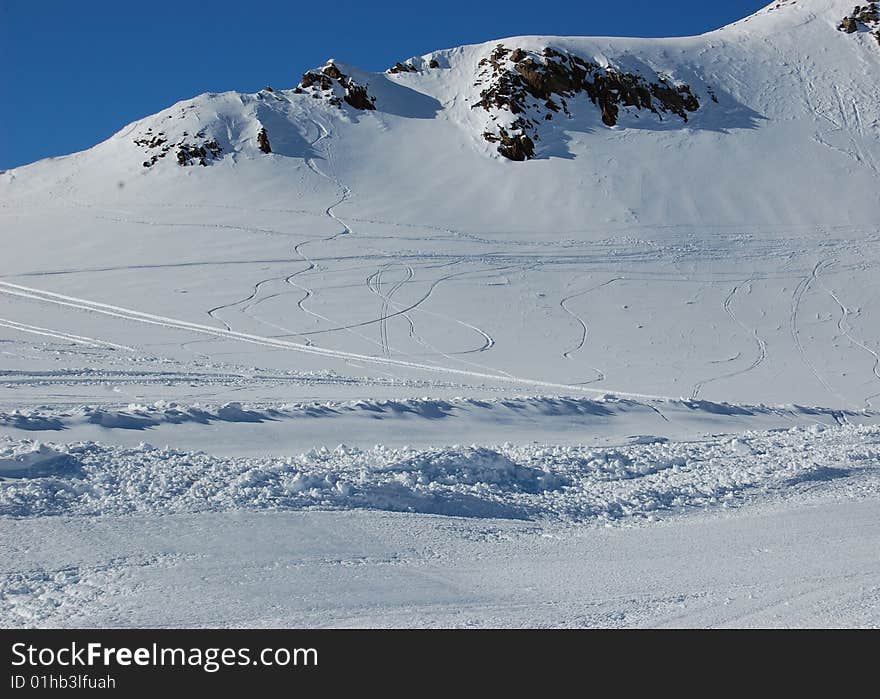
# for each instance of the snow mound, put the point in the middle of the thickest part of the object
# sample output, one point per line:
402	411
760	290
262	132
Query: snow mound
135	416
472	466
539	482
27	458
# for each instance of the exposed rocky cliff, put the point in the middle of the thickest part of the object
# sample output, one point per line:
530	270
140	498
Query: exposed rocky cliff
191	150
864	18
331	84
534	88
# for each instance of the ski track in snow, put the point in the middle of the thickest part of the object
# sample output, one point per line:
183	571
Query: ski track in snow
57	334
761	344
797	297
846	330
324	133
567	354
297	248
488	340
311	265
415	305
213	311
164	321
374	284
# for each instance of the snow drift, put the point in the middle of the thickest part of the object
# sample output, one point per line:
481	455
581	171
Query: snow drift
540	482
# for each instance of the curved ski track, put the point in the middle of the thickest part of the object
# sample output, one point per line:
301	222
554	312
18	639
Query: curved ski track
846	330
374	284
762	345
20	291
802	287
600	375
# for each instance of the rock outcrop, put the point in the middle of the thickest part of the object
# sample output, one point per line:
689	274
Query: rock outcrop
863	18
334	86
533	88
263	141
358	97
519	147
199	151
156	146
413	65
402	68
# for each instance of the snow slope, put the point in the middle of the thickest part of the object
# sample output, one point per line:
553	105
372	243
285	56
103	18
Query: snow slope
728	256
668	306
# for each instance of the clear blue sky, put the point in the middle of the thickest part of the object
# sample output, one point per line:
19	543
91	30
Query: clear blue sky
72	72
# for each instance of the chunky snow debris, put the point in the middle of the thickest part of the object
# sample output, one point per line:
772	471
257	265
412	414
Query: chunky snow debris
27	459
547	482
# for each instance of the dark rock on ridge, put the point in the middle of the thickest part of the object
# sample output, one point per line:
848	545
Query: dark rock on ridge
519	147
329	82
200	151
402	68
535	87
263	141
190	154
357	97
862	18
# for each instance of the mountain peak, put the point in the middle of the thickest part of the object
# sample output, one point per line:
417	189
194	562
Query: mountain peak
780	76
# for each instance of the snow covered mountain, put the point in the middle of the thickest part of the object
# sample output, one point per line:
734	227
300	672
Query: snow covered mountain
770	120
748	145
619	267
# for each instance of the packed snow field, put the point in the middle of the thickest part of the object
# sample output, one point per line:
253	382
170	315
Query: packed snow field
446	354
